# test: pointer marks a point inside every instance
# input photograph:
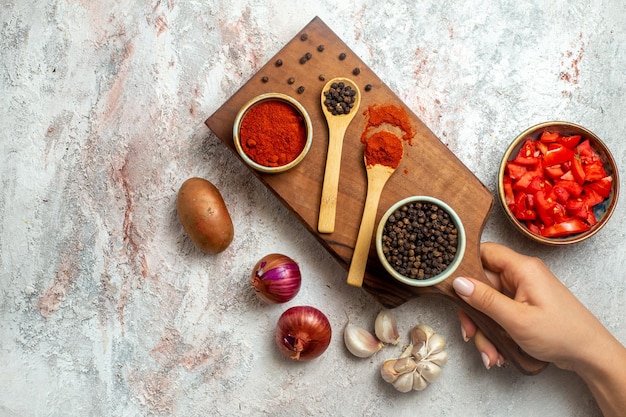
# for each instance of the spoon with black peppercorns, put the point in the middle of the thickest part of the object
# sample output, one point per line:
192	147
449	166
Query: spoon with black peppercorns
340	101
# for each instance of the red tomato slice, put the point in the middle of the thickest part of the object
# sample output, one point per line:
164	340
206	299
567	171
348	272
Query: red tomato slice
526	154
514	170
572	187
602	186
578	171
549	137
557	154
594	171
566	228
554	171
569	141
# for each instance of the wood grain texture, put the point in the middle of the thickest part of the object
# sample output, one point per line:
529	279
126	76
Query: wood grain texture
428	168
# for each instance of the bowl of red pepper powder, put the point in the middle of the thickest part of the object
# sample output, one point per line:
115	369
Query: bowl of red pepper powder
558	183
272	132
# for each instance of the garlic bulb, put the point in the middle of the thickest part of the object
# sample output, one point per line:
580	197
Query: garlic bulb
386	328
420	363
360	342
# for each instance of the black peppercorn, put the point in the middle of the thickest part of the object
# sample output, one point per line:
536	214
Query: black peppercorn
368	87
342	56
301	89
339	98
320	48
265	79
420	240
303	60
304	37
322	77
308	55
356	71
291	80
279	62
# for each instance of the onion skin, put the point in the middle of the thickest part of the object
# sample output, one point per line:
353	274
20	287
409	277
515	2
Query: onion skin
303	333
276	278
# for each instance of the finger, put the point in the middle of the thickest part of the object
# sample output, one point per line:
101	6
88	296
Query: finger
484	298
498	258
488	352
468	327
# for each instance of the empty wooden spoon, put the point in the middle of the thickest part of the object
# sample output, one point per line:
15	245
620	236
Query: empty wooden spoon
383	153
337	126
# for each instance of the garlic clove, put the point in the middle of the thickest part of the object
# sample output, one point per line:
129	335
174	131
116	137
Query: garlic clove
420	351
404	382
421	333
428	370
404	365
436	344
360	342
419	383
388	372
439	358
386	328
408	351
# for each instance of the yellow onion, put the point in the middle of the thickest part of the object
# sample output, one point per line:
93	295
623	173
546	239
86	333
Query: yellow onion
276	278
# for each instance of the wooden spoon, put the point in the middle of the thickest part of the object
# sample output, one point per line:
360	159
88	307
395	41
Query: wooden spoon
377	176
337	126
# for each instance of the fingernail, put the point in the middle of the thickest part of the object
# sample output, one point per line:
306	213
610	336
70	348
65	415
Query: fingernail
500	361
463	286
464	334
486	361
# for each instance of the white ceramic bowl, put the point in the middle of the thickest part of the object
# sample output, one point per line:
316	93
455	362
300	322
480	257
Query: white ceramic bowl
450	268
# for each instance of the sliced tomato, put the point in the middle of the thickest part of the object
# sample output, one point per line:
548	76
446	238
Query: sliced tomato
591	196
526	154
566	228
515	171
554	171
602	186
594	171
524	181
557	154
562	195
507	183
569	141
572	187
549	137
538	183
578	172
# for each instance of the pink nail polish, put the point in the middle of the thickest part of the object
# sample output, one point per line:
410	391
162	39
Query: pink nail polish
464	334
463	286
486	360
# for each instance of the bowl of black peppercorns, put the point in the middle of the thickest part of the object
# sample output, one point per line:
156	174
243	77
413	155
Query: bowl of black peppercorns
420	241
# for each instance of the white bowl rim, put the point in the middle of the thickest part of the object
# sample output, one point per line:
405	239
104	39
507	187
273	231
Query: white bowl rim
458	258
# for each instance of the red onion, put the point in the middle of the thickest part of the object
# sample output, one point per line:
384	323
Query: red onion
303	333
276	278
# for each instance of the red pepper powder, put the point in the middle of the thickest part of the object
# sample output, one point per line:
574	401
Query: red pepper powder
273	133
390	114
383	148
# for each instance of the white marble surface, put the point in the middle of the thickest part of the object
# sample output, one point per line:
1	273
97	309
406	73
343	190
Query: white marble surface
106	308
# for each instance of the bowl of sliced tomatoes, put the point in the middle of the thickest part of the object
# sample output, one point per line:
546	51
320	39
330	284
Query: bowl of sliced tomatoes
558	183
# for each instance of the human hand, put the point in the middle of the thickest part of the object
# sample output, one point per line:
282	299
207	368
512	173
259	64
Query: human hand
543	317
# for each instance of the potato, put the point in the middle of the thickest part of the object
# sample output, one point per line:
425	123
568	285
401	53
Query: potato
204	216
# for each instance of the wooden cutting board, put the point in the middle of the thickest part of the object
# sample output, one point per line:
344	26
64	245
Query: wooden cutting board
428	168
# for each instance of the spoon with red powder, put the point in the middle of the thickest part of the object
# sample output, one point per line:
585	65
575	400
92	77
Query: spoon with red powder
340	100
382	154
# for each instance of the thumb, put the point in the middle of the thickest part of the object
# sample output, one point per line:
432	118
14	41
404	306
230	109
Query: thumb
486	299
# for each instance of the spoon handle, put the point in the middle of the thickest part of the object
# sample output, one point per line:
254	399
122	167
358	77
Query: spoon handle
364	239
328	204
